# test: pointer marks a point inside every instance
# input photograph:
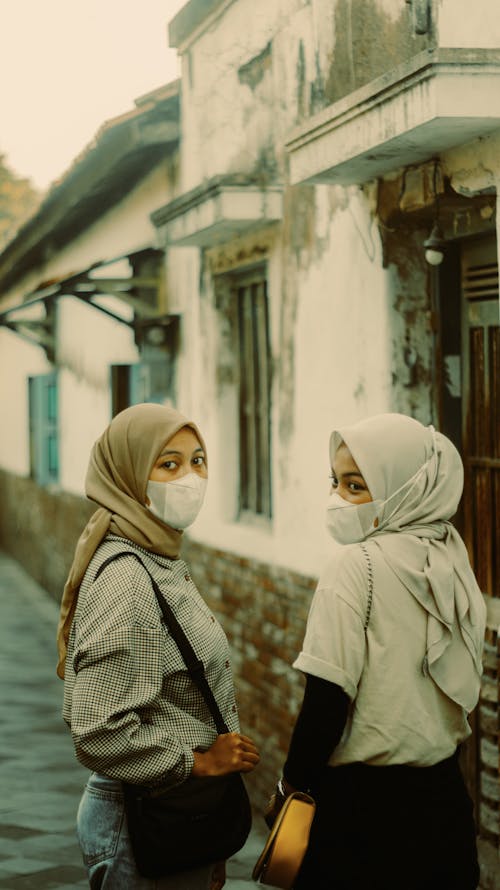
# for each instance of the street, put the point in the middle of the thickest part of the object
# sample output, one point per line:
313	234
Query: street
41	780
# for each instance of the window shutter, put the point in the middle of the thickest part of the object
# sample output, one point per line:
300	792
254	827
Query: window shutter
44	444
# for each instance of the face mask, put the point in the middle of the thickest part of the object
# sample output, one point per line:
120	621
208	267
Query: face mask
350	523
177	503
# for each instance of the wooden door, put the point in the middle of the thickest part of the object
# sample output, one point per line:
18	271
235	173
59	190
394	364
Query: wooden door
481	507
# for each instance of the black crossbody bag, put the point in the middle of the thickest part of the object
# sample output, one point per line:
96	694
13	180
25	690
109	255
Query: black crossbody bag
204	819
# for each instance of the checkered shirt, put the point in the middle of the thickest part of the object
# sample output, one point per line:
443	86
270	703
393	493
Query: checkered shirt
132	708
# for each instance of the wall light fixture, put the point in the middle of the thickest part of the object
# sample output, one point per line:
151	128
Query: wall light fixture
435	245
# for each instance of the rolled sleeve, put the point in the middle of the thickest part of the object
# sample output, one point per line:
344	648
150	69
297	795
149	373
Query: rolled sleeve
317	667
334	647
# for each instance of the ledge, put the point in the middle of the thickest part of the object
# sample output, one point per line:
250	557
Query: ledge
124	151
443	98
217	212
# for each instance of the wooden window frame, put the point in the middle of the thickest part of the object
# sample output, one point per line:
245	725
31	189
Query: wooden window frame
251	313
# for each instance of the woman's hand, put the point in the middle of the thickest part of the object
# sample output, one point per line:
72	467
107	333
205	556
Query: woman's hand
218	876
230	753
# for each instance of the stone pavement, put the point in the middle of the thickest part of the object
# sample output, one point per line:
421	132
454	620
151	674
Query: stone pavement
40	780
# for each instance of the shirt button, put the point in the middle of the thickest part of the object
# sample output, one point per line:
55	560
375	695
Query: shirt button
187	578
227	664
234	709
212	618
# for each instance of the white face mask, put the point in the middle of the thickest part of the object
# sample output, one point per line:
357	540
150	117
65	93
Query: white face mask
350	523
177	503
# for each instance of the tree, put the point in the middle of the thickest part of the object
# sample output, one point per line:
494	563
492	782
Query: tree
18	200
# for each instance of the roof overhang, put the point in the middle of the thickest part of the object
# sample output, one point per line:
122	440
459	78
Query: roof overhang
33	318
218	212
124	151
441	99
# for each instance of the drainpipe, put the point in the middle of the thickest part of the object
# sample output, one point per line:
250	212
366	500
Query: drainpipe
421	15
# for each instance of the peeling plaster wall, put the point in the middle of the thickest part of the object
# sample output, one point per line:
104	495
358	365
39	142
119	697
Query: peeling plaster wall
339	317
340	363
251	75
411	326
235	90
370	38
474	169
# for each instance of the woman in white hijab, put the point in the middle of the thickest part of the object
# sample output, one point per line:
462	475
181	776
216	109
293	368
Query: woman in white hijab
392	660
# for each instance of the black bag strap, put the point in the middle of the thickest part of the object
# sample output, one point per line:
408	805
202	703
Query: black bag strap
194	665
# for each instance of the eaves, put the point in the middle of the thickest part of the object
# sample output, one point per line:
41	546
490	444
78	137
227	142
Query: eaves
124	152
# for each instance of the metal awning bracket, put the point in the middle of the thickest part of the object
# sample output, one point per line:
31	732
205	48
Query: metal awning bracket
140	292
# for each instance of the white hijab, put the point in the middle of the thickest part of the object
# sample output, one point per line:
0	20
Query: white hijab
417	475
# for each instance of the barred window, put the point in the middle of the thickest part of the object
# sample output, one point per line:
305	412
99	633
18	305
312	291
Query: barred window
254	396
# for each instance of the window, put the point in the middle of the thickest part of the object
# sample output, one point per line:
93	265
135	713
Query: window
43	423
254	396
151	380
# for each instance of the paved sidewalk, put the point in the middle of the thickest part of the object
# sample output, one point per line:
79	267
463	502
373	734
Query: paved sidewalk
40	780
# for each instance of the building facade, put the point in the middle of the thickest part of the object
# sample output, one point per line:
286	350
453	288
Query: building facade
276	286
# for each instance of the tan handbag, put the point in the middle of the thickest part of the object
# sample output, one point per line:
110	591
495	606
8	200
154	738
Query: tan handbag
285	848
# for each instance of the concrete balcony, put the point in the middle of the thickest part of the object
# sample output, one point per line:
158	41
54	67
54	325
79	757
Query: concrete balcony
218	211
440	99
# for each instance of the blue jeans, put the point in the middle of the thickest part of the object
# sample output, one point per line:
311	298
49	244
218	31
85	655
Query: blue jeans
105	844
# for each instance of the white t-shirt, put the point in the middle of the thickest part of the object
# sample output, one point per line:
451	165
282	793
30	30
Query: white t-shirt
397	714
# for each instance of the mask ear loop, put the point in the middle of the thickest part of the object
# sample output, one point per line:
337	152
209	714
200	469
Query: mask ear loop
413	479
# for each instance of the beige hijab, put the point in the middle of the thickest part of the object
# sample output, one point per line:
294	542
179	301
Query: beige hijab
119	468
416	475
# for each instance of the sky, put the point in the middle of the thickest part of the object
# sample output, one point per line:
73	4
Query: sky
66	66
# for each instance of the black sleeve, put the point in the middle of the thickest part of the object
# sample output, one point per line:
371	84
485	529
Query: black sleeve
317	731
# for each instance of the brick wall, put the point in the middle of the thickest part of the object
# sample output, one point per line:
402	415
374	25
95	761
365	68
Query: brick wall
263	610
40	527
489	765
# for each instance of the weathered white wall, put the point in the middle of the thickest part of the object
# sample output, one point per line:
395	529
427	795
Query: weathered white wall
342	361
89	342
330	300
460	24
228	125
334	321
474	168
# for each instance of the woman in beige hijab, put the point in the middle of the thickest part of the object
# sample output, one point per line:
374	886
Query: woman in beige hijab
392	661
134	714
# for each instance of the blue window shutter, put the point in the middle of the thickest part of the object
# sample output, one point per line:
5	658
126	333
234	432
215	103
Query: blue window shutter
138	384
44	433
151	380
146	381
